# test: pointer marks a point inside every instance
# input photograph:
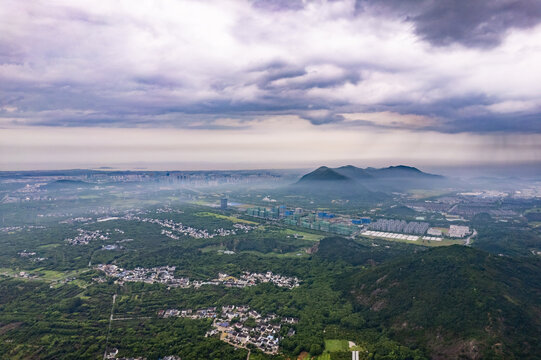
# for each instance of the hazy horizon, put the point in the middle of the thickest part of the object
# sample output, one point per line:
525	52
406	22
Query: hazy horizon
514	170
281	84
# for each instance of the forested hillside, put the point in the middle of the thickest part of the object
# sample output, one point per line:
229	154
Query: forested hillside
456	302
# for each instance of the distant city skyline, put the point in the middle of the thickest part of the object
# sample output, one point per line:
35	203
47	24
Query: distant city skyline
269	84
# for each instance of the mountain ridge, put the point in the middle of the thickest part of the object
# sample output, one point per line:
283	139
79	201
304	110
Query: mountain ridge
350	172
352	179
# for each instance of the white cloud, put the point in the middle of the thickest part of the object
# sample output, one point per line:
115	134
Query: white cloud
225	63
187	52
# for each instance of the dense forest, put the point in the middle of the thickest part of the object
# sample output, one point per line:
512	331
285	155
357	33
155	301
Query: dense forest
455	301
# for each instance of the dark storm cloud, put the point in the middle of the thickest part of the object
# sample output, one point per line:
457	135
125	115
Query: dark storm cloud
325	117
280	71
476	23
280	76
489	123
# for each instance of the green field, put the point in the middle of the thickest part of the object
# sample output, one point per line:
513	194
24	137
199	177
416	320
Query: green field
333	345
225	217
88	197
49	246
212	248
52	275
293	254
426	193
49	276
336	345
324	356
305	235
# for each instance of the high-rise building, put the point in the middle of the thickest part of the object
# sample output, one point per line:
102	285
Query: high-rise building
223	204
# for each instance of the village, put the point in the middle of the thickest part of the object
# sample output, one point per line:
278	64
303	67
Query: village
113	353
31	255
86	236
250	279
161	275
173	230
239	325
170	228
165	275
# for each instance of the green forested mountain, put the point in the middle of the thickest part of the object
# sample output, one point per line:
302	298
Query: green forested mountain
356	180
357	252
323	174
457	302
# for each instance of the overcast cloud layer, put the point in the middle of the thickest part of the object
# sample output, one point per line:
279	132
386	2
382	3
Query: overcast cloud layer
418	65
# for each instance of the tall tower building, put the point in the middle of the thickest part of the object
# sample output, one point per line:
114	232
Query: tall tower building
223	204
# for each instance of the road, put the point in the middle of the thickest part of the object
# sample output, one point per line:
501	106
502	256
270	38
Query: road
109	329
132	318
468	239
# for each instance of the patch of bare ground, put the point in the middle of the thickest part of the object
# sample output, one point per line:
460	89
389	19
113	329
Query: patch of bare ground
362	299
313	249
446	349
378	291
378	305
14	325
373	300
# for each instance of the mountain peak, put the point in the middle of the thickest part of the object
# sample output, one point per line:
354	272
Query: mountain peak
404	167
323	173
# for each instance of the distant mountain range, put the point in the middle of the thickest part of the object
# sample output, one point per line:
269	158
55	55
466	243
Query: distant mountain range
352	173
65	184
392	178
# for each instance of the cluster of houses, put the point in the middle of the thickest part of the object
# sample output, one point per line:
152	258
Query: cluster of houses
31	255
21	274
162	275
113	353
167	210
174	230
250	279
12	229
170	229
188	230
233	327
86	236
165	275
25	253
79	219
169	234
244	227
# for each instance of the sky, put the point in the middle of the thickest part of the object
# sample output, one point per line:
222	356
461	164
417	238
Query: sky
269	84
